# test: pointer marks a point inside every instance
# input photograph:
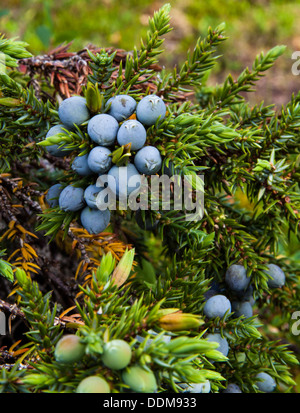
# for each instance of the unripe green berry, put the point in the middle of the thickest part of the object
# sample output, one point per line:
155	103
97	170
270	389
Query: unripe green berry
116	354
69	349
93	384
140	380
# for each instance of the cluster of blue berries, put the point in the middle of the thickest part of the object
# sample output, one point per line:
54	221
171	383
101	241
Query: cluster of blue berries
238	288
116	126
238	285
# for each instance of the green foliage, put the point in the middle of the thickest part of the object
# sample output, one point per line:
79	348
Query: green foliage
5	268
197	65
11	50
26	111
229	93
249	158
168	361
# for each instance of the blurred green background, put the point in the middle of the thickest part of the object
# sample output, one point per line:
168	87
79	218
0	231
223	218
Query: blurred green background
252	26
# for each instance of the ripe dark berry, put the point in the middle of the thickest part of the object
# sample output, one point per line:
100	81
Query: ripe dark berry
214	289
223	343
277	276
196	387
94	220
265	382
232	388
149	109
148	160
71	198
128	174
99	159
132	131
73	111
242	308
53	195
236	278
57	150
217	306
90	195
102	129
80	165
247	295
121	107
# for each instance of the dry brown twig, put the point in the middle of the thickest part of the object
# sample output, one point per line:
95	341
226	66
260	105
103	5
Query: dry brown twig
67	71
